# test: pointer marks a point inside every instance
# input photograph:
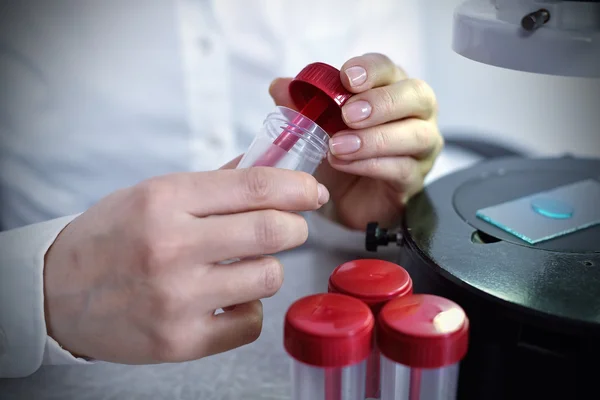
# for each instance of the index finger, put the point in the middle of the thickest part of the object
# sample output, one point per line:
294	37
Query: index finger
231	191
369	71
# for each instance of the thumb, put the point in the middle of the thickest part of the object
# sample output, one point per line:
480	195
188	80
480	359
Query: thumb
280	92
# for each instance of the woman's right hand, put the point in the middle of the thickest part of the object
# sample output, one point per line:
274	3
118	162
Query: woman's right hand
137	278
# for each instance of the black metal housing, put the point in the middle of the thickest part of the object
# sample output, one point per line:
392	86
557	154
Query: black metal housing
534	309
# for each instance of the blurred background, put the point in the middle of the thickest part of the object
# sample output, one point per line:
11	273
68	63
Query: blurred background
542	115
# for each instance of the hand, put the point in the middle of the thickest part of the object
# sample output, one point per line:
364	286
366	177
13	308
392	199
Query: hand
136	279
393	139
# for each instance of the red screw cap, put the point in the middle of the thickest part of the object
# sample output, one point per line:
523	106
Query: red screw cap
423	331
375	282
328	330
321	81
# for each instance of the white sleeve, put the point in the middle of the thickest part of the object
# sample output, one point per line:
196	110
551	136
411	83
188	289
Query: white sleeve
24	343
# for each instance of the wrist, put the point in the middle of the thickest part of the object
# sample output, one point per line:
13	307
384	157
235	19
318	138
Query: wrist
58	305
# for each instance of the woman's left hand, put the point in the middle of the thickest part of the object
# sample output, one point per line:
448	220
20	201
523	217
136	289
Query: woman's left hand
393	139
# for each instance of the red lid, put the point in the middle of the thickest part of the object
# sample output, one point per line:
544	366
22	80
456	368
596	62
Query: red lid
328	330
373	281
322	81
423	331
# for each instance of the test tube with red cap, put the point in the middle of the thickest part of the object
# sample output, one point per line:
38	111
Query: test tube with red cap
374	282
298	140
329	338
422	339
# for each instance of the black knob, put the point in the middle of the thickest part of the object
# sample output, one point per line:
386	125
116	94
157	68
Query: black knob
376	236
535	20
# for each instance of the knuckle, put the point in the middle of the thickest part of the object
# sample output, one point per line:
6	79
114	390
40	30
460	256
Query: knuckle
163	344
405	170
165	302
151	195
441	142
426	168
309	188
379	67
381	141
354	61
378	61
387	100
154	247
158	253
424	136
272	278
424	94
420	87
372	166
270	230
258	184
381	58
385	69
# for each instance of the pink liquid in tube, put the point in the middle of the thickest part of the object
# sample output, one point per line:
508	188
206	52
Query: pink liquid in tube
290	135
422	340
328	337
375	282
317	91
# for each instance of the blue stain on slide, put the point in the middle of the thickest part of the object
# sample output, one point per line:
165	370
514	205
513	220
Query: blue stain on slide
546	215
552	208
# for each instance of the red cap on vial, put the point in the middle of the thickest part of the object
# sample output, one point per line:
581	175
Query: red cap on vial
323	81
423	331
328	330
375	282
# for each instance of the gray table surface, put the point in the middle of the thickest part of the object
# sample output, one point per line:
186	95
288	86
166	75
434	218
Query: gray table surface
254	372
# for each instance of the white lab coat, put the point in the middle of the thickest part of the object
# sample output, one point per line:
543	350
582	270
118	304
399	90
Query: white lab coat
99	95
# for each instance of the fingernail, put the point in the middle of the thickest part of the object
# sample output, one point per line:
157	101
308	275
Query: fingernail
356	111
356	75
344	144
323	194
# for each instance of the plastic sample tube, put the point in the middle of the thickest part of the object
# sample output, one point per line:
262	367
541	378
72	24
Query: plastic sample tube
300	127
422	339
303	147
374	282
298	140
328	337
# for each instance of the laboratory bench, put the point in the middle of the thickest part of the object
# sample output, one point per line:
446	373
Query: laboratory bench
254	372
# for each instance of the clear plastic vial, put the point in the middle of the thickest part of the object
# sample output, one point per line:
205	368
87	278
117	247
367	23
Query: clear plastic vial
422	339
305	153
298	140
328	337
374	282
